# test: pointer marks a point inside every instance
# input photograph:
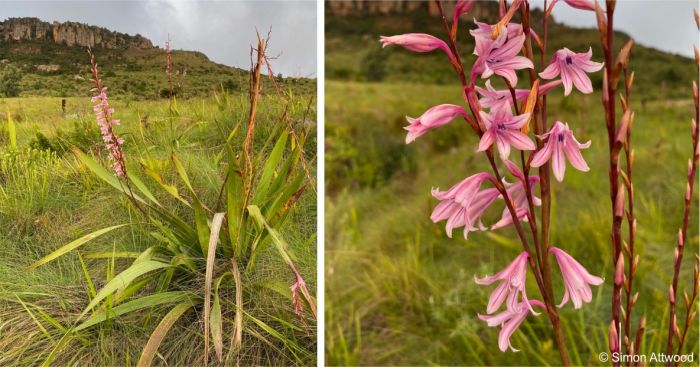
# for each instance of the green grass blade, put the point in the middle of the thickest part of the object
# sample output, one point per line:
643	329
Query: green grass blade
11	131
104	174
72	246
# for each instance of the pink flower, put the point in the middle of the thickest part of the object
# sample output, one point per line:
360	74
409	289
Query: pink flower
490	97
512	279
463	204
573	68
504	128
417	42
580	4
484	42
576	279
299	284
499	56
509	322
432	118
462	7
518	194
560	142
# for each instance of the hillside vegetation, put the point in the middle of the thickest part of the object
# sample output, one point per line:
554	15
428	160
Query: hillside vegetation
131	73
353	51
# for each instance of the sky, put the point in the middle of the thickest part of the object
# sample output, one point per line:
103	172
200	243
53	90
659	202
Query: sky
667	25
223	30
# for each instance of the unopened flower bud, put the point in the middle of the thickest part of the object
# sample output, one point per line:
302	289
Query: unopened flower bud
620	270
634	298
671	295
620	204
681	241
613	338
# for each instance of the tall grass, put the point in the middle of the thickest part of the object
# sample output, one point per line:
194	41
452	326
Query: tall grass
112	285
398	293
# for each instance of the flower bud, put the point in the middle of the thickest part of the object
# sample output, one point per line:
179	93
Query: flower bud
620	270
613	338
620	204
671	295
634	298
681	241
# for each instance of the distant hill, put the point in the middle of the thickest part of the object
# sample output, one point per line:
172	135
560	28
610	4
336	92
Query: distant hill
53	61
353	51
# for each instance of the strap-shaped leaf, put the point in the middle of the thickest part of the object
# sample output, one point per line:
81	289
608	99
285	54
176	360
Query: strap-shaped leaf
124	279
72	246
137	304
213	240
151	348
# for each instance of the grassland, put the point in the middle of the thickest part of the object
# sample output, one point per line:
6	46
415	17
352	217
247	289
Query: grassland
399	292
49	197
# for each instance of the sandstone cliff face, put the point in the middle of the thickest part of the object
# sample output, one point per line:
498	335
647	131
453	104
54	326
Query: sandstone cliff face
68	33
359	7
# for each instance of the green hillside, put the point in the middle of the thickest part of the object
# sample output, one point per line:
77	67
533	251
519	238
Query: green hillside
353	51
133	73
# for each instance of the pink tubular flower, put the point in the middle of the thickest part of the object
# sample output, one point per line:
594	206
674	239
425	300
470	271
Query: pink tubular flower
573	68
579	4
504	128
500	56
491	98
509	322
462	7
103	114
512	279
432	118
560	142
518	194
417	42
577	280
463	204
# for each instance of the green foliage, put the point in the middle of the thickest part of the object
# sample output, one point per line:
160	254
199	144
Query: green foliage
10	78
374	65
400	292
178	161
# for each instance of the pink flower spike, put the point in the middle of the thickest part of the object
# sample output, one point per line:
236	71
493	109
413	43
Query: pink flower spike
463	204
577	280
432	118
490	97
504	128
417	42
509	322
573	68
512	283
561	142
463	7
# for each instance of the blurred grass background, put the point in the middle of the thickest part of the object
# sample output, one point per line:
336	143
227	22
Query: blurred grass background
398	291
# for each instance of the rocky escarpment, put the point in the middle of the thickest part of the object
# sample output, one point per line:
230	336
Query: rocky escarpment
68	33
368	7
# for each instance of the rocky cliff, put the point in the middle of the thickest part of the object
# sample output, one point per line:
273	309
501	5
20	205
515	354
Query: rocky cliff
68	33
369	7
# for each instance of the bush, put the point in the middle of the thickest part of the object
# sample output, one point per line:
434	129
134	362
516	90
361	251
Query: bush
9	81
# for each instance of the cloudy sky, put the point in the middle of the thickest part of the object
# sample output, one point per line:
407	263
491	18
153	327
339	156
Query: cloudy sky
667	24
223	30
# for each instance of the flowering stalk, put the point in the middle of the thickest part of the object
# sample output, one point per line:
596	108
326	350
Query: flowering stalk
169	72
619	135
506	126
673	329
